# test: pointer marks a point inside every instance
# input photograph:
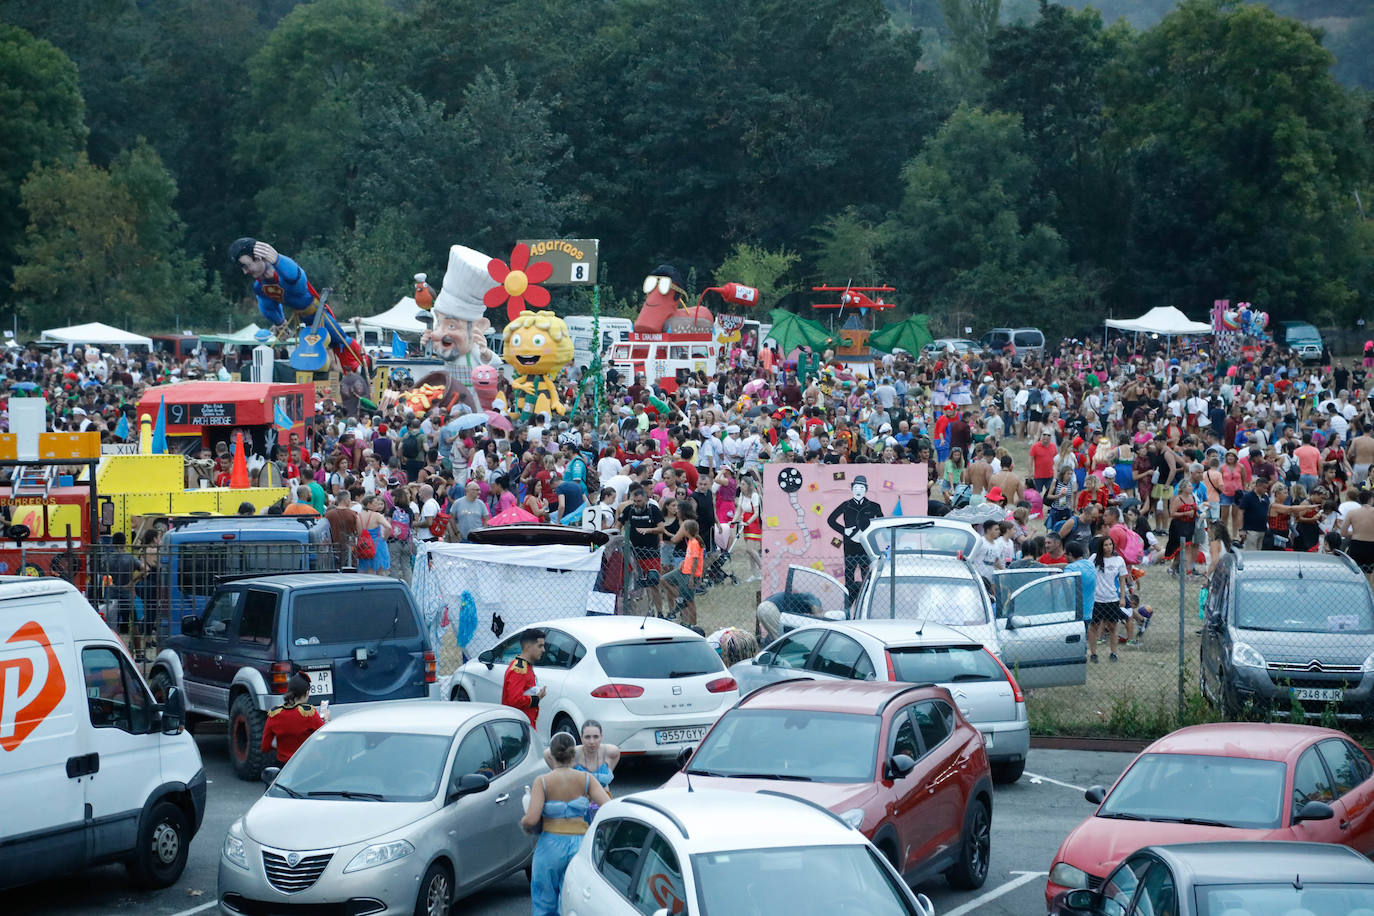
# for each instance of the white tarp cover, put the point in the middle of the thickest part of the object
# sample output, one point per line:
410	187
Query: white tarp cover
1165	320
245	336
400	317
96	333
520	584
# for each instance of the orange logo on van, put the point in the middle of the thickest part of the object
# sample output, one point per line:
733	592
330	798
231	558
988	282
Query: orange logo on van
31	685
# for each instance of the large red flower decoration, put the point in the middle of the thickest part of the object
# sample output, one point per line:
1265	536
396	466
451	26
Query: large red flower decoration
516	284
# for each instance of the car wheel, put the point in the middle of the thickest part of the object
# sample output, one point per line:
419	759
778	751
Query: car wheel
567	726
163	843
436	891
1006	772
460	695
159	682
971	870
246	723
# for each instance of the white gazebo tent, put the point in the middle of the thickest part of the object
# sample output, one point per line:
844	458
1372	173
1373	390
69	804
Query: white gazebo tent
96	333
401	317
1162	321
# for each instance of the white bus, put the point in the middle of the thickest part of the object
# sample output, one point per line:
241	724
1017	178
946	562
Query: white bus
613	331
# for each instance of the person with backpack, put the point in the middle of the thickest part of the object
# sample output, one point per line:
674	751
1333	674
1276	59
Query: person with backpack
413	449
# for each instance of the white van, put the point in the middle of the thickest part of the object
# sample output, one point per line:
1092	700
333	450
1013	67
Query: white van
93	769
613	331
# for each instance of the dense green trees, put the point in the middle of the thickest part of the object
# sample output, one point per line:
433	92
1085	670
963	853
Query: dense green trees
1008	157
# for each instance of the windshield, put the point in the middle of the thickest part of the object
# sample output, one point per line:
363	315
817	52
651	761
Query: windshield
957	602
1282	899
365	766
797	880
659	659
1293	605
1197	788
944	664
790	744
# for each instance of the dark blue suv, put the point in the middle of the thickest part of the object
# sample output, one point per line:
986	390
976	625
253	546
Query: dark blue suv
361	639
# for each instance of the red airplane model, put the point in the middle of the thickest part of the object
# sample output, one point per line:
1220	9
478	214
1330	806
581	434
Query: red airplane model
853	297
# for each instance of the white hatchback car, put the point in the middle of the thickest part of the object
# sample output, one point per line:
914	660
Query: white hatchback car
674	851
655	687
920	653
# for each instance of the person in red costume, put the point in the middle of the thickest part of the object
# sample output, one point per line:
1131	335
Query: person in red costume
518	686
664	309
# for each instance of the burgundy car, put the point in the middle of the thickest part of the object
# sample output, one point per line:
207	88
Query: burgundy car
1226	781
896	761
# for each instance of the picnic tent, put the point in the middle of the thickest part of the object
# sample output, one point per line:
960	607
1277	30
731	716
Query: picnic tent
96	333
1164	320
400	317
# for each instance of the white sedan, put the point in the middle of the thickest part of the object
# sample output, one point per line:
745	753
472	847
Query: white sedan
711	853
655	687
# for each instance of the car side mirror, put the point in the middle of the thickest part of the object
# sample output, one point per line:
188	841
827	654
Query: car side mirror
487	658
173	712
1095	794
468	784
900	765
1016	621
923	905
685	755
1079	901
835	615
1314	811
764	659
662	911
270	774
190	626
1213	622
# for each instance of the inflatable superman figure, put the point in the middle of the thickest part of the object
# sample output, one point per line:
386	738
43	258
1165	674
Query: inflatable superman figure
280	285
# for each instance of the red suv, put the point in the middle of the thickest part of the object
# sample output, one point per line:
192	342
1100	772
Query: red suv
895	761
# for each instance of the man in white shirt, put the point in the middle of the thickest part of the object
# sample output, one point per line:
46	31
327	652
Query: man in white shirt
428	509
986	555
608	466
712	455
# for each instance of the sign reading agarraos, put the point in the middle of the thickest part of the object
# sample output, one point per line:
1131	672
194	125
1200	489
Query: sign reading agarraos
811	513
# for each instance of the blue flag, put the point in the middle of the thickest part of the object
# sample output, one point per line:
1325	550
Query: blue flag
398	346
897	510
279	418
122	428
160	427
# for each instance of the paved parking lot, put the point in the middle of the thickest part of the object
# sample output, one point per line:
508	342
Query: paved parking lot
1029	820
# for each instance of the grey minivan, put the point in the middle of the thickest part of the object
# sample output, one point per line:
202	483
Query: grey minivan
1028	342
1284	627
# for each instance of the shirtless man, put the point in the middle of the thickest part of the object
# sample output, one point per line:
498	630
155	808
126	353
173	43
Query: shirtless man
1361	455
1013	487
980	474
1359	526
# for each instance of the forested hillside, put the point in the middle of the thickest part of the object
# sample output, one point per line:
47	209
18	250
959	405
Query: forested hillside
1028	161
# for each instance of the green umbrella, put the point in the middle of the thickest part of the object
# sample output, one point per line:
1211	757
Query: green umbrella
910	335
792	332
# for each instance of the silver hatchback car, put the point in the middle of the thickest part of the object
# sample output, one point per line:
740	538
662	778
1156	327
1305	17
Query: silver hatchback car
903	650
401	808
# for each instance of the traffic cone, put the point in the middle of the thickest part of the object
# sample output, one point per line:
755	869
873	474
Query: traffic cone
238	475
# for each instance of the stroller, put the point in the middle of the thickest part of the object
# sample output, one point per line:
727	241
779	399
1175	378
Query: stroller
715	572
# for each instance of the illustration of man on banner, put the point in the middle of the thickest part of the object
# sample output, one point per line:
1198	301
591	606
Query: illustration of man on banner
848	519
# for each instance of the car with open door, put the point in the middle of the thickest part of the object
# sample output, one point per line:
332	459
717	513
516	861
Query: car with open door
1032	618
808	596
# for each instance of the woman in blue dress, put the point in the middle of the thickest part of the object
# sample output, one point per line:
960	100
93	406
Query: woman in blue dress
592	756
560	802
373	520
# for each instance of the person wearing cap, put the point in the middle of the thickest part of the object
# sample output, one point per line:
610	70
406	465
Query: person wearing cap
847	520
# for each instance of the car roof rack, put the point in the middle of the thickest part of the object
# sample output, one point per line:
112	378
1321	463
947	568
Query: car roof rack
808	802
655	806
758	690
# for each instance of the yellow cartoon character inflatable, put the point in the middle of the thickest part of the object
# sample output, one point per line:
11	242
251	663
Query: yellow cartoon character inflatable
537	345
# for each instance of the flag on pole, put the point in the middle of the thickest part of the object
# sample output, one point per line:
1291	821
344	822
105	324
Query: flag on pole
398	346
160	427
279	418
898	509
122	428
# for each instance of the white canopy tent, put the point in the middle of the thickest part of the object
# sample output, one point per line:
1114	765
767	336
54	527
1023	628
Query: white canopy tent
1165	321
400	317
245	336
96	333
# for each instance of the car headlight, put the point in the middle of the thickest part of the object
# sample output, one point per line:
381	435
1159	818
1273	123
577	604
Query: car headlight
1065	875
1368	664
854	817
1245	656
234	850
379	854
